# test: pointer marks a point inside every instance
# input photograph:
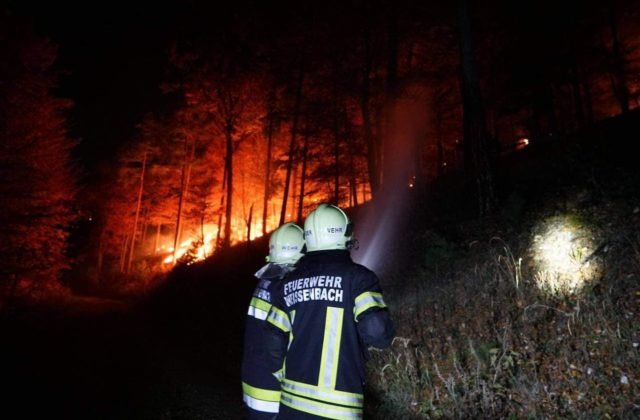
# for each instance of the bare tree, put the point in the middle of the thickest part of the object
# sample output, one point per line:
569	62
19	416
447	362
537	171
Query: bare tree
138	206
303	175
617	67
292	142
271	103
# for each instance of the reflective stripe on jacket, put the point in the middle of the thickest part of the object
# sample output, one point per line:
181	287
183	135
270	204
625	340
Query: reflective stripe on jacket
260	385
318	306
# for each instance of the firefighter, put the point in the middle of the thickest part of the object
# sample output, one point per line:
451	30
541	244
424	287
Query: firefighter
261	388
324	315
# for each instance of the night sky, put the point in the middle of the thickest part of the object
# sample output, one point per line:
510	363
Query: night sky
114	57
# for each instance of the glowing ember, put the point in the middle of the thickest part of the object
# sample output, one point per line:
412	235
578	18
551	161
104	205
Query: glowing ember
522	143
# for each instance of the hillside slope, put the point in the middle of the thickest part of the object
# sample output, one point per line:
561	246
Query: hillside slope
534	313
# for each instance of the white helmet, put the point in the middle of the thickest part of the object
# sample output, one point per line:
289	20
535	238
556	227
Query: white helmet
286	244
327	227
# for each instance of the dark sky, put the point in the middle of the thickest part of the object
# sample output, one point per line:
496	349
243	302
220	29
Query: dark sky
114	56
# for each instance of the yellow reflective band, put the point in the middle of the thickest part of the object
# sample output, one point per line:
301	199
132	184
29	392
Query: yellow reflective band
261	393
327	395
280	319
366	301
320	409
258	308
331	348
260	304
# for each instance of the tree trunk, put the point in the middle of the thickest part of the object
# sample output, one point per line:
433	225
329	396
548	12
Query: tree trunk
249	222
292	143
138	206
222	197
294	191
123	253
204	248
353	176
303	176
219	232
226	241
145	228
372	152
477	164
336	150
620	88
267	176
388	156
184	189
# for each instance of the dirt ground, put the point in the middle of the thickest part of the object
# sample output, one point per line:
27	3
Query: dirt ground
92	358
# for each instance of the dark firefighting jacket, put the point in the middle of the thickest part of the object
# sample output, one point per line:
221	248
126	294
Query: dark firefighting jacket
260	386
324	315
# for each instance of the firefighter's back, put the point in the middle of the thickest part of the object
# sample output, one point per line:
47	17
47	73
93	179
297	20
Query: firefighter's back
323	315
324	368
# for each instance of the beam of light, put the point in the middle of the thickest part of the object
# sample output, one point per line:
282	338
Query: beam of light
376	230
562	252
381	221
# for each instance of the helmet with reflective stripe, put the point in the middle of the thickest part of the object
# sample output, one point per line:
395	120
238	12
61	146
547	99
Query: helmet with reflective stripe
286	244
327	227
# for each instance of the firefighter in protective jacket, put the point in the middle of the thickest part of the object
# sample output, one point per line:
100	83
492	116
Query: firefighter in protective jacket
324	316
260	387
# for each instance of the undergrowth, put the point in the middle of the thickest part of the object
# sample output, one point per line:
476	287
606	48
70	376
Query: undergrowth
478	338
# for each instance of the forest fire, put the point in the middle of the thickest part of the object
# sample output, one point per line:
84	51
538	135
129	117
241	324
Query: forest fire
199	247
288	122
199	250
484	151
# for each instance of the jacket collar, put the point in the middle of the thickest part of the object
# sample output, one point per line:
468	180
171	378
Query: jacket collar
273	271
333	255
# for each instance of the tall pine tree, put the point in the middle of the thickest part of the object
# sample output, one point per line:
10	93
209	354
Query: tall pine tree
37	187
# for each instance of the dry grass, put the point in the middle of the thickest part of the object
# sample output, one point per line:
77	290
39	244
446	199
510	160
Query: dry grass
481	340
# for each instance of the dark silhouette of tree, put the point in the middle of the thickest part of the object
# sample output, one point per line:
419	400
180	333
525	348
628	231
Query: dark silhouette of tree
477	162
373	161
37	184
292	142
271	124
617	62
385	97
